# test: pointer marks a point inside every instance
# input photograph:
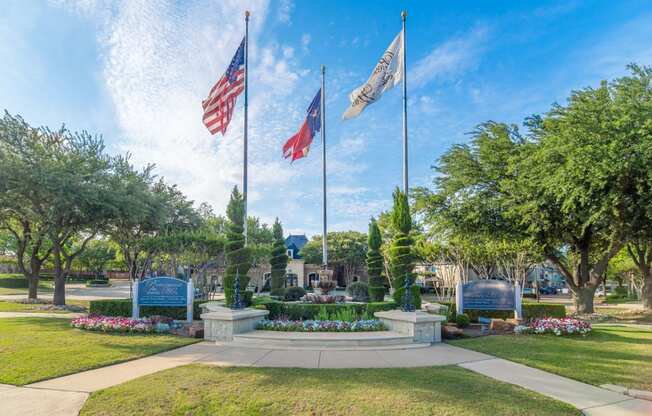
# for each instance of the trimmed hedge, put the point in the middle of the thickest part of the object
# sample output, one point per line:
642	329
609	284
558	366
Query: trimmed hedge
530	311
304	311
122	307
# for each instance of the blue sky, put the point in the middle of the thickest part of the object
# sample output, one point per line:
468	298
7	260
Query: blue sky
136	73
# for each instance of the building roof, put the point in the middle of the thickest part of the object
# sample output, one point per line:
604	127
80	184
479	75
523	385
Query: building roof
296	243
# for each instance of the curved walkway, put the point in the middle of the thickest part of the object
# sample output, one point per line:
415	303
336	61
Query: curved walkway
71	391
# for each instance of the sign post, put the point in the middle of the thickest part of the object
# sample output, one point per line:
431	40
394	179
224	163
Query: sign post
163	291
489	295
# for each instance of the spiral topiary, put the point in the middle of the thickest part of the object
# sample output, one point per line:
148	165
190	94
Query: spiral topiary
238	257
375	263
401	255
278	261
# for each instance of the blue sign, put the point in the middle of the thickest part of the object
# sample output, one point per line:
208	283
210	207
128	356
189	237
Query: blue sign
162	291
492	295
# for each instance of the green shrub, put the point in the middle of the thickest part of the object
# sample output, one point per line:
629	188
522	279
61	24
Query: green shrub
322	315
278	260
462	320
294	293
530	311
122	307
304	311
375	263
359	291
344	314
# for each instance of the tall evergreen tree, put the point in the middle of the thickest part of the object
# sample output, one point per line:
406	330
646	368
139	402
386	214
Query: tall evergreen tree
238	257
401	253
279	260
375	263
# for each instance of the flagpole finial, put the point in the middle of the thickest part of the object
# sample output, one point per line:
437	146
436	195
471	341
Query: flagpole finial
247	14
403	14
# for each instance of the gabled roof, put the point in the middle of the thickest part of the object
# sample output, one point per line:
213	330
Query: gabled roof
296	243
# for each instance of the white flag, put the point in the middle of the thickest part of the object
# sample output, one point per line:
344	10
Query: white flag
387	73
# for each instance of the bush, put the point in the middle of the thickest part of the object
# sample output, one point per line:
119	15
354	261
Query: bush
530	311
307	311
294	293
359	291
462	320
122	307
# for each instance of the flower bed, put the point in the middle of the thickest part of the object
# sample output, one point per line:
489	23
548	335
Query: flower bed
119	324
321	326
563	326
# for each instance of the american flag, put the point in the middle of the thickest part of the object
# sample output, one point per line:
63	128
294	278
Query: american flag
218	106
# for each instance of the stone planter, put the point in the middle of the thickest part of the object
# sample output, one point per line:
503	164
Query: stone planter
422	326
221	323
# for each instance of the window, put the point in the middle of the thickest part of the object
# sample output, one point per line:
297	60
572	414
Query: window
290	253
291	279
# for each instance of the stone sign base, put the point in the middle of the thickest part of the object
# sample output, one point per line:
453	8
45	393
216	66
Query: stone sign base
422	326
221	323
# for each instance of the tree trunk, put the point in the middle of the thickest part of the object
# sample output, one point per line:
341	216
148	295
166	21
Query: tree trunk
59	297
583	298
32	284
646	293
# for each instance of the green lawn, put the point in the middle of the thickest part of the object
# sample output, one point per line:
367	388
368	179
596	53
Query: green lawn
6	306
16	284
33	349
610	355
626	315
200	390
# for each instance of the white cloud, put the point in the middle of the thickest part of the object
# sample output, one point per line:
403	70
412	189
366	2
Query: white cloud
284	13
305	41
450	57
160	59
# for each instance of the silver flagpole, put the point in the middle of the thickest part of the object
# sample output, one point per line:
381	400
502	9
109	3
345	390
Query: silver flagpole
322	104
246	87
405	134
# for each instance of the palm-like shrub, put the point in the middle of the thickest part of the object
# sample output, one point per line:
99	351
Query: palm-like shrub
238	257
278	261
401	253
375	263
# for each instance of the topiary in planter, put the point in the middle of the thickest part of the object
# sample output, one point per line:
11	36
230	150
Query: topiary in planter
359	291
238	257
278	261
294	293
401	255
375	263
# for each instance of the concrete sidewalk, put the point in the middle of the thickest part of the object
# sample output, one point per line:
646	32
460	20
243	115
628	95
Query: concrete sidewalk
70	390
67	315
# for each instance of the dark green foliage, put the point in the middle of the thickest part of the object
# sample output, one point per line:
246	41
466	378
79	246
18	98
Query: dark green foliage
294	293
530	311
401	253
278	261
359	291
462	320
303	311
238	257
122	307
375	264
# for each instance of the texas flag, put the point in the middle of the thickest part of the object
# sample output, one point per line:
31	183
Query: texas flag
298	145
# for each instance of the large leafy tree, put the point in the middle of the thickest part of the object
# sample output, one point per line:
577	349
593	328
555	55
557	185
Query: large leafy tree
633	113
238	256
278	261
20	145
346	252
568	187
56	188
